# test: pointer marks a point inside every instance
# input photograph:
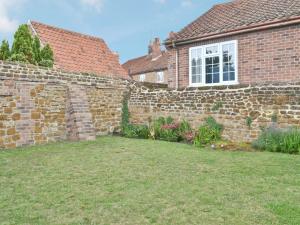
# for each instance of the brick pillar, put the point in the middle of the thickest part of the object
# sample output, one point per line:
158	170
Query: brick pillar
25	105
80	124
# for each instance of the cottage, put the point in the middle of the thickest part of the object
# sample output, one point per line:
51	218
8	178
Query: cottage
240	42
75	52
152	68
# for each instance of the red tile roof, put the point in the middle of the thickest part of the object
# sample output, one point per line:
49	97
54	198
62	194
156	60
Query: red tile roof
146	64
239	14
75	52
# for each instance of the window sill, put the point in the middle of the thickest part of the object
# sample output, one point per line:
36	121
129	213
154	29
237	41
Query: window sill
214	85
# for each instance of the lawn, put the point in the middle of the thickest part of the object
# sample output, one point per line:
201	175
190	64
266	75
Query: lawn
115	180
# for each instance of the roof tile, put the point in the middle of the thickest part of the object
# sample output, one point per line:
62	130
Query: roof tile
75	52
239	14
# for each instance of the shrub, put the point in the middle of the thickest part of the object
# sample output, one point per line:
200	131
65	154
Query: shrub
279	140
46	57
136	131
27	49
186	132
156	127
208	133
168	130
4	50
22	46
36	48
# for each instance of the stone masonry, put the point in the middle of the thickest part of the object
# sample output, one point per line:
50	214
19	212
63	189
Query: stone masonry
39	105
229	105
80	125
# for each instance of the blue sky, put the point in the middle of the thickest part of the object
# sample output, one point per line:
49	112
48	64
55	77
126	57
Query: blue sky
127	26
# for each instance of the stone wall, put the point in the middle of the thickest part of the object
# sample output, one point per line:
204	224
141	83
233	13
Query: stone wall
39	105
229	105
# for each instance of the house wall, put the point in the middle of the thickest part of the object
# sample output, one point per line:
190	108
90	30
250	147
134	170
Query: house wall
269	55
39	105
152	77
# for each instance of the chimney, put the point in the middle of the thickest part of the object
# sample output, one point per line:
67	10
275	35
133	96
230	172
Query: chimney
154	49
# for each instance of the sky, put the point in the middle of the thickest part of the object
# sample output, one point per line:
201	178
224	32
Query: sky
127	26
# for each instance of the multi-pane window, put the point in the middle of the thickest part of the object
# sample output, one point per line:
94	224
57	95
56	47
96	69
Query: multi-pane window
160	77
214	64
142	77
196	65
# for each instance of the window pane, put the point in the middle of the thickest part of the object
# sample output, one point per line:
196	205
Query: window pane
193	70
212	70
216	77
228	62
208	68
208	61
225	68
160	77
196	63
216	60
232	75
209	78
226	76
212	50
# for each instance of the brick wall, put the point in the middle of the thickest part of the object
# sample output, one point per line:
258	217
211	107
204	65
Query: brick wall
236	103
270	55
41	105
152	77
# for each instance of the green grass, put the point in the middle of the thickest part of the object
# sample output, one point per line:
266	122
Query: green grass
121	181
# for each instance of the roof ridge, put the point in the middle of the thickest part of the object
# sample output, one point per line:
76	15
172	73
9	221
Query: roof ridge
66	30
140	57
163	52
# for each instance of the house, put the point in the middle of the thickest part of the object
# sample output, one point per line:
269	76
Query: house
75	52
152	68
239	42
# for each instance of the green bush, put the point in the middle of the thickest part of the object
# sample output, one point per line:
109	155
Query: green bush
208	133
167	130
22	49
46	57
27	49
186	132
136	131
279	140
4	50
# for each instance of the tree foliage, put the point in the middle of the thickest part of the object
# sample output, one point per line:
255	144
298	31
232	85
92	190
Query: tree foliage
36	48
4	50
22	49
46	56
27	49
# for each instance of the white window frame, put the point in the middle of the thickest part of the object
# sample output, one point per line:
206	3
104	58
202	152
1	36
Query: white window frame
142	77
158	74
220	54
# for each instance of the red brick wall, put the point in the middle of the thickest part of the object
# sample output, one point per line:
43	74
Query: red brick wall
264	56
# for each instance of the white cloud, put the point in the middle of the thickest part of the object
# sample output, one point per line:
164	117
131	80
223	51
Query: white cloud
97	4
7	23
186	3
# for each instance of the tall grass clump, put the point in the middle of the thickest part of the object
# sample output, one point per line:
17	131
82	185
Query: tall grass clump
279	140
